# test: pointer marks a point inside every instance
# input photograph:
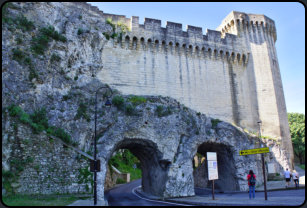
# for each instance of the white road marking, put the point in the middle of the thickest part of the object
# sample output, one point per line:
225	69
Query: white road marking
133	191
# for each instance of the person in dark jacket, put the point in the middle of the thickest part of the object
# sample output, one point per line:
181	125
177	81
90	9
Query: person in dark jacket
251	183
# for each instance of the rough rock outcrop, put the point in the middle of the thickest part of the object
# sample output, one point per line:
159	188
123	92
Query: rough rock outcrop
164	134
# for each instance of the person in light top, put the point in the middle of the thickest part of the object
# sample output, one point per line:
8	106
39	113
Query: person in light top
287	175
296	179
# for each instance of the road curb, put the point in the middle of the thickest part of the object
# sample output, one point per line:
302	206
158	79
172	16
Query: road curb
188	201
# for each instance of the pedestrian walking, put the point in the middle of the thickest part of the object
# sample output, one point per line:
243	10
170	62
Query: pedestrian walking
251	178
287	175
296	179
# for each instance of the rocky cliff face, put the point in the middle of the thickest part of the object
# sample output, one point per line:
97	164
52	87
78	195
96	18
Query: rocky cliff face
50	59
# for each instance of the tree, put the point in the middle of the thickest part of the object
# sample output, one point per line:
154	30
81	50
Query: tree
297	131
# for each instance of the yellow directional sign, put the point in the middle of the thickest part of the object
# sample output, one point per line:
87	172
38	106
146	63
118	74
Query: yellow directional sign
255	151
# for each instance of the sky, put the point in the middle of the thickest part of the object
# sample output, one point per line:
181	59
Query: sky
289	20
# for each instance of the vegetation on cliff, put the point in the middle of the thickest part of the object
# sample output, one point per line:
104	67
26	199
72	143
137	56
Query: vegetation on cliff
124	161
297	130
39	122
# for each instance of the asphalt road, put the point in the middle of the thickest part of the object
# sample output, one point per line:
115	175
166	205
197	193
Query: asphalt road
125	195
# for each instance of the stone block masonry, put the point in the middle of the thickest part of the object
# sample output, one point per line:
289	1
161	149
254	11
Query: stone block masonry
39	164
231	73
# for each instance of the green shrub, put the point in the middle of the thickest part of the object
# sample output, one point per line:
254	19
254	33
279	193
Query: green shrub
159	110
28	61
60	133
38	122
40	117
130	110
40	43
18	40
214	122
81	112
14	110
37	128
7	174
162	111
55	58
25	118
137	100
52	33
120	181
18	55
119	102
33	74
114	35
24	24
66	97
106	35
80	31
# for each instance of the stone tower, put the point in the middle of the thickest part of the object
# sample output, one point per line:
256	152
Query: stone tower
258	34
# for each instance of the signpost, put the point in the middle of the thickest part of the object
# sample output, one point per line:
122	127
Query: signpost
258	151
212	169
254	151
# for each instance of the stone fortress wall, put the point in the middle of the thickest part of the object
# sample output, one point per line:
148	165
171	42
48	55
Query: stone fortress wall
230	73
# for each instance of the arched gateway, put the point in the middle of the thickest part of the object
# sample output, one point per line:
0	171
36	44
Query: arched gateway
166	145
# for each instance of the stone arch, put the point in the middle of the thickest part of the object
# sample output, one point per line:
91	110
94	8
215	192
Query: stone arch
127	41
244	58
142	40
226	167
190	49
197	49
238	57
227	55
149	43
233	56
215	53
154	169
157	44
209	52
163	44
134	42
221	53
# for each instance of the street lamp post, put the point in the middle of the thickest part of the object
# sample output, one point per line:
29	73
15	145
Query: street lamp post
262	160
108	103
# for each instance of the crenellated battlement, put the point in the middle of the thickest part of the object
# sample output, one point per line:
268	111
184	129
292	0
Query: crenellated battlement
237	22
224	39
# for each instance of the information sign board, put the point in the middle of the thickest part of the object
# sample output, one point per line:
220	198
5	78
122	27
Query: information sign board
212	166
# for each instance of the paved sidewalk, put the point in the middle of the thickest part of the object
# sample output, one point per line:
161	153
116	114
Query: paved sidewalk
226	199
